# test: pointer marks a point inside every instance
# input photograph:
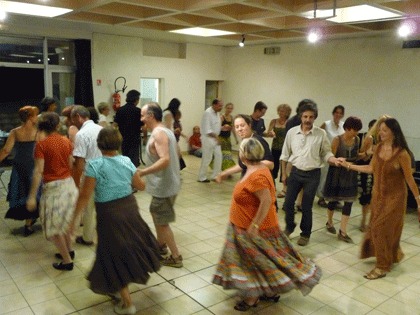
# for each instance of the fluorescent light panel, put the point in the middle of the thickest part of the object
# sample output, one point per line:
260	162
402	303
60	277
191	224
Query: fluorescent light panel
204	32
357	13
32	9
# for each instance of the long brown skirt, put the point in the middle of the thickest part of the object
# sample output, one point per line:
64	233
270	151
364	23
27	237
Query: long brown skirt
127	250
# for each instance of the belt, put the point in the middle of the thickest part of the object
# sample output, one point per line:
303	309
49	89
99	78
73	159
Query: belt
294	168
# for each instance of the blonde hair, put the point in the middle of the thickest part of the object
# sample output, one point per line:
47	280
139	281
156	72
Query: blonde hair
252	150
102	106
374	131
285	107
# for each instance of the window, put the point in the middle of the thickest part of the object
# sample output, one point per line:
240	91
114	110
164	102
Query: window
150	90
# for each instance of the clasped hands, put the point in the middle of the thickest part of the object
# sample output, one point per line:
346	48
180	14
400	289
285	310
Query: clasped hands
341	161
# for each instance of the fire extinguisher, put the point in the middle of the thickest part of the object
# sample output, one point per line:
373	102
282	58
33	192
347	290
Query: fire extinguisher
116	97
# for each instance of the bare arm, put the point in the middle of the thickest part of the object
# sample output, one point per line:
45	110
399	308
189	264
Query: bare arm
8	147
79	166
230	171
36	181
265	201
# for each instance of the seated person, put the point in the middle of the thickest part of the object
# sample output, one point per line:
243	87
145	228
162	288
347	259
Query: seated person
195	142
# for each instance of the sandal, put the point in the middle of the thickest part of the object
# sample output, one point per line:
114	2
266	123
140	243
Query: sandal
374	274
281	194
243	306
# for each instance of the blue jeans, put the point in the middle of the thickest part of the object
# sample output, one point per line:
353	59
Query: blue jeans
308	181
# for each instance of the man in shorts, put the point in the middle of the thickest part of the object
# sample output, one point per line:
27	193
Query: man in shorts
163	180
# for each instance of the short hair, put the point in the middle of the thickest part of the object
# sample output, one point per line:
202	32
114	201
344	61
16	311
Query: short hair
338	107
132	96
27	112
353	122
228	104
260	106
102	106
154	109
109	139
303	102
252	150
46	102
215	101
246	118
308	107
81	111
48	122
285	107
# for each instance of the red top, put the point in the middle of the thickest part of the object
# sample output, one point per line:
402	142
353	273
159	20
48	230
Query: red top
195	140
245	204
55	150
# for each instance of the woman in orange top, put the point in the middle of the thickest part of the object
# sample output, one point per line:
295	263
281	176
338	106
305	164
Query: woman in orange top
53	162
258	258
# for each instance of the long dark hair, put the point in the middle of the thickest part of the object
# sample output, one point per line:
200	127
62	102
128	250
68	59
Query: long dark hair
399	139
173	106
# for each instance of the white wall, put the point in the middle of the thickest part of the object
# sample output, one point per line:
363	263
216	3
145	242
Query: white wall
369	76
115	56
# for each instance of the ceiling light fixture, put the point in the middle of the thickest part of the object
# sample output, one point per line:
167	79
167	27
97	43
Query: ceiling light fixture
407	28
200	31
242	42
32	9
314	36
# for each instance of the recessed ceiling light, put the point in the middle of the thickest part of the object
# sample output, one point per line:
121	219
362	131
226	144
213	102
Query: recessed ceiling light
32	9
199	31
356	13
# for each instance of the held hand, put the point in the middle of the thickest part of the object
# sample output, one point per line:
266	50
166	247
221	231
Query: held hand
31	204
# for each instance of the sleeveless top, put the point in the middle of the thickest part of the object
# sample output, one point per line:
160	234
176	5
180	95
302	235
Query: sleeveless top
225	134
166	182
278	141
348	152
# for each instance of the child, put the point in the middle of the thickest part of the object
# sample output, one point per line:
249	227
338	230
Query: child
195	142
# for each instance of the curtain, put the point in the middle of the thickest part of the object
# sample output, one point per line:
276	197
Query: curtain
83	93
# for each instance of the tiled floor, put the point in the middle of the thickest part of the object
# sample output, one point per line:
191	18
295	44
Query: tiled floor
29	285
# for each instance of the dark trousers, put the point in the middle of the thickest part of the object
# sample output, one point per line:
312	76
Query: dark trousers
132	151
309	181
276	159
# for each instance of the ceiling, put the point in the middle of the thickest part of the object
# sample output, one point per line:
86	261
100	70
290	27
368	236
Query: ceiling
261	21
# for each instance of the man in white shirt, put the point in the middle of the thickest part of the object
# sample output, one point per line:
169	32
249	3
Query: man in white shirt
85	149
306	147
210	145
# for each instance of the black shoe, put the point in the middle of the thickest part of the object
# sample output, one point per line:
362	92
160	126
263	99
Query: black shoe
61	266
204	181
72	254
80	240
274	298
28	230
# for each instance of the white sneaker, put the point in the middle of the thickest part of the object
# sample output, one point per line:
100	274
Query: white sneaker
120	309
